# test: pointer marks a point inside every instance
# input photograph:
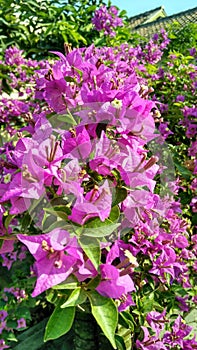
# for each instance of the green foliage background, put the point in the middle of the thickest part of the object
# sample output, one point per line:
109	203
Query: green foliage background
43	25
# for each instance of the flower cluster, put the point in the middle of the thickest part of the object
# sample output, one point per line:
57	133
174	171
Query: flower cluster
17	89
85	166
175	339
84	187
107	20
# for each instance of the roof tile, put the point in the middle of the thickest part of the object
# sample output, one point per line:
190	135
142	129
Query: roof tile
147	29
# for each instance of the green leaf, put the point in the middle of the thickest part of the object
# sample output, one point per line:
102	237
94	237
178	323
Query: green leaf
58	224
5	86
23	311
179	104
78	71
7	221
104	230
11	337
11	324
58	213
183	171
98	228
105	312
119	196
88	27
78	296
52	296
60	322
91	8
122	13
120	342
147	302
125	336
191	320
35	204
34	4
125	321
70	283
69	80
26	221
114	214
91	247
66	118
32	338
194	219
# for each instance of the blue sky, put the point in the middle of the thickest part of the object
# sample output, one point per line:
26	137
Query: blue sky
135	7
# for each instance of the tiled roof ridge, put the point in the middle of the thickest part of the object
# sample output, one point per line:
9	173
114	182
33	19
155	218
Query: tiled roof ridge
146	13
165	19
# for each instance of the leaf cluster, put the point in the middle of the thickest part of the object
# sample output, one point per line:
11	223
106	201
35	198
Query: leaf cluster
40	26
182	38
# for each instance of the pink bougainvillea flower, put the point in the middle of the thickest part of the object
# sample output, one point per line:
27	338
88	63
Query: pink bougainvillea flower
69	178
164	129
125	302
3	344
55	90
106	155
20	191
194	204
21	323
157	321
180	330
53	261
85	269
150	342
136	205
112	284
96	203
3	315
119	275
107	20
77	143
165	263
38	163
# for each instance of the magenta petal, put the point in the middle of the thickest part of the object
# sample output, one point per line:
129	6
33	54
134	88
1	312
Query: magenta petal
14	192
109	289
33	243
59	54
19	205
7	246
49	275
113	285
126	303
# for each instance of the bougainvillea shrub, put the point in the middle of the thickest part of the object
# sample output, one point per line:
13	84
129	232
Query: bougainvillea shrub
98	197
